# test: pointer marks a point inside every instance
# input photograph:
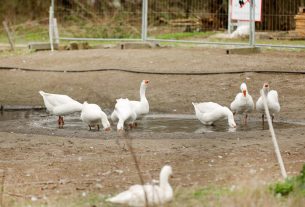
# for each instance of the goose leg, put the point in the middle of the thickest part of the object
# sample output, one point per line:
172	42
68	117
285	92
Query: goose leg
89	127
263	116
58	122
98	127
246	117
62	122
272	117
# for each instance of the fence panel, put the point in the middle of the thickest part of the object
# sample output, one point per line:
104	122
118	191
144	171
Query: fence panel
207	21
99	19
188	20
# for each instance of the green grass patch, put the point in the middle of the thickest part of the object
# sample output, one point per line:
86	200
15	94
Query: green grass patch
291	185
184	35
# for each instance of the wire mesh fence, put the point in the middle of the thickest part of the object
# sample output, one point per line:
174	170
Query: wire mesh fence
99	19
188	20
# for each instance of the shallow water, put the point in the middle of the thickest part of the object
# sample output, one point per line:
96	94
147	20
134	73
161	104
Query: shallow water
166	123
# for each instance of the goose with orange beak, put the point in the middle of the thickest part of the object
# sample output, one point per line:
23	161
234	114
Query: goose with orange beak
272	102
243	103
141	107
138	107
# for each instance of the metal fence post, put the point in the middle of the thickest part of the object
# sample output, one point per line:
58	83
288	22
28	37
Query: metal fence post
51	28
144	19
229	17
252	24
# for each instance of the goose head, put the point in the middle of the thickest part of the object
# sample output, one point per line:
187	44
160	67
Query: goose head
145	82
106	123
143	87
266	88
231	121
243	88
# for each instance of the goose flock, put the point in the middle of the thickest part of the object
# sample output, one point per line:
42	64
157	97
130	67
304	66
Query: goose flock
127	111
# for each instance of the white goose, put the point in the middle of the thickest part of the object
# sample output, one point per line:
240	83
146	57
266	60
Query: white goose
272	102
60	105
209	112
155	194
141	107
93	115
123	112
243	102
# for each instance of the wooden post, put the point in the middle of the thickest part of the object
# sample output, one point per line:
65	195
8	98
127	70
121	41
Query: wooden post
9	35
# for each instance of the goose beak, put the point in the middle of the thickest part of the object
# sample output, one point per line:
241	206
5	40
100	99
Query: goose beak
108	129
266	85
245	93
146	81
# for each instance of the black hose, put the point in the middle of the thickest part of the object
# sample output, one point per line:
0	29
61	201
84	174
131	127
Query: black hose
153	73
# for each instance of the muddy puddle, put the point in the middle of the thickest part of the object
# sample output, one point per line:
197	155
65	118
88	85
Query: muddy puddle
153	122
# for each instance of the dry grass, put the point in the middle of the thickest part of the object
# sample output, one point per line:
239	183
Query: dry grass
184	197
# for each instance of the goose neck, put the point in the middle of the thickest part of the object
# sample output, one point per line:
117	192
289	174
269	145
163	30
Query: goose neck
142	93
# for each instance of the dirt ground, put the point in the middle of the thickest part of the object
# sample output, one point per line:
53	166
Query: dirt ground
48	164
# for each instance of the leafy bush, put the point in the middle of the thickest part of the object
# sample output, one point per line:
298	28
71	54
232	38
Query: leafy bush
294	184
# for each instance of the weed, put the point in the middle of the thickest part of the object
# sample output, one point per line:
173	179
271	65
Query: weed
293	184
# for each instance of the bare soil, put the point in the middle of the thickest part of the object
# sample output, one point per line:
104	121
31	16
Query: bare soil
58	163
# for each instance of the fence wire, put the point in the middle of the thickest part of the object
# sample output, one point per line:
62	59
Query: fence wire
187	20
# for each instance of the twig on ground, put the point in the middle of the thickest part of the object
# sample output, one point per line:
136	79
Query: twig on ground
2	188
128	141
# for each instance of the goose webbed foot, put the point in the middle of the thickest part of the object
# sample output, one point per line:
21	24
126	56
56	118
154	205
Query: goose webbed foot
60	122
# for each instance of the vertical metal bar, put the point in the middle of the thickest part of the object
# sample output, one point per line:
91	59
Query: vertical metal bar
55	29
144	20
275	144
52	5
51	28
252	24
229	17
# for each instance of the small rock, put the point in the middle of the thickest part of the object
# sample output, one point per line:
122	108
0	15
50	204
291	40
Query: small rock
118	171
252	171
34	198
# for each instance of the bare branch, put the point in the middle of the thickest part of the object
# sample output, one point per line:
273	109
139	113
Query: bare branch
128	141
